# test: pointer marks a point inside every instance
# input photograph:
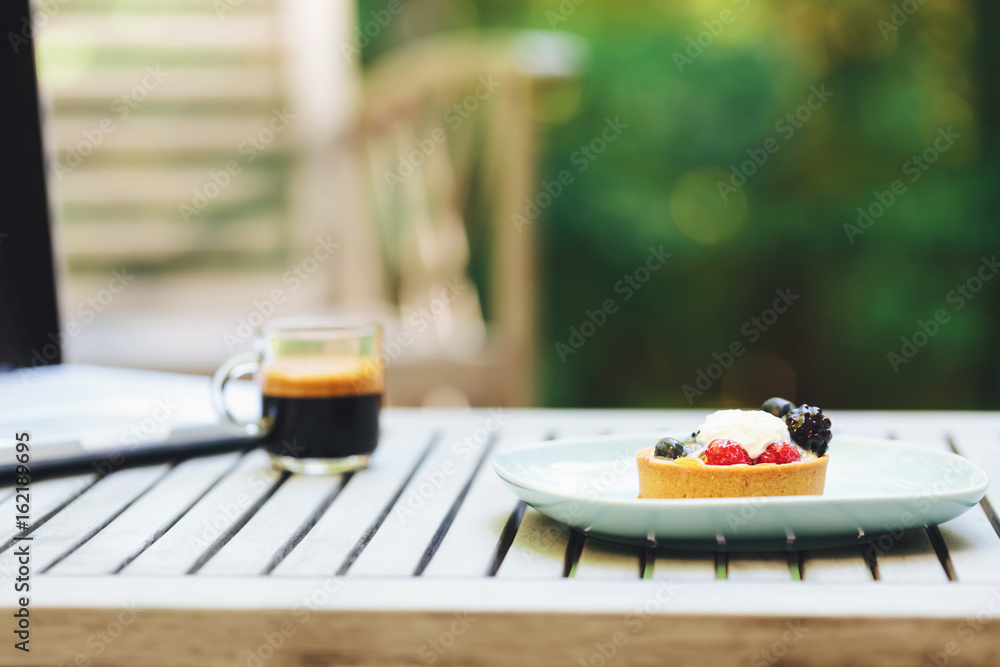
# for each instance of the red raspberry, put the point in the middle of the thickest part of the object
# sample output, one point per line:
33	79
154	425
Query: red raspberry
780	452
726	453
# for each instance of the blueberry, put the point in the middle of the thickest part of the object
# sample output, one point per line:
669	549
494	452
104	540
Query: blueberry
778	407
669	448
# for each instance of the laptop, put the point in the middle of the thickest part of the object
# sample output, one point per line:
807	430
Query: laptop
74	411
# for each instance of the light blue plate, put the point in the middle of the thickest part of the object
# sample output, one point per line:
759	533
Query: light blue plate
873	487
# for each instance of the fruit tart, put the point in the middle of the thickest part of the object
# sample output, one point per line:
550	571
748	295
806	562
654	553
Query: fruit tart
778	450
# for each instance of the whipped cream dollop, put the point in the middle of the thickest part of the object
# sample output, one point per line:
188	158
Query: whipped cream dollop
753	429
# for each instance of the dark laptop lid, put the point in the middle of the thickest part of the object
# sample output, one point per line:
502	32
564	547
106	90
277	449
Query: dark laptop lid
29	319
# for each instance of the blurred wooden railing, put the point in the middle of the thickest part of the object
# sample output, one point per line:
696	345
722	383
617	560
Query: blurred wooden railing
167	159
149	100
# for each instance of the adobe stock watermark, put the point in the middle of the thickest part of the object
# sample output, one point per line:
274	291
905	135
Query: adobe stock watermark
749	507
42	12
122	107
557	529
454	116
595	487
915	167
263	308
223	7
139	432
892	532
562	12
605	651
249	148
592	488
417	322
696	44
87	309
149	426
581	158
786	127
967	631
371	28
751	330
958	297
776	652
230	510
272	642
434	649
269	644
629	284
99	641
431	481
901	13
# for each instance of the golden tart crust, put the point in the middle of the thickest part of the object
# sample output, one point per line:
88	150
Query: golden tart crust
690	478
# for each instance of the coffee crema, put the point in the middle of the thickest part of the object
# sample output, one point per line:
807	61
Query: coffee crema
322	407
322	377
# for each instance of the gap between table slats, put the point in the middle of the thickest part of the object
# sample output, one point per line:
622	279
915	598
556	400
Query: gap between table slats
48	498
593	558
422	508
962	547
486	523
109	519
98	507
973	538
342	532
148	518
453	514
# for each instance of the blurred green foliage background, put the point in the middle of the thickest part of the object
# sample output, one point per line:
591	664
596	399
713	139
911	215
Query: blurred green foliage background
897	74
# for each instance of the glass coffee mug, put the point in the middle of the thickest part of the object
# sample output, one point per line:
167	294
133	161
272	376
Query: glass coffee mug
321	382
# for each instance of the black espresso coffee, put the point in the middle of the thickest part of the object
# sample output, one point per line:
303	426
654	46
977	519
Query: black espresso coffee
321	407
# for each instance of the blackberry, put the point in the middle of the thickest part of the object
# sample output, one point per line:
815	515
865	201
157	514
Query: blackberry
809	428
778	407
669	448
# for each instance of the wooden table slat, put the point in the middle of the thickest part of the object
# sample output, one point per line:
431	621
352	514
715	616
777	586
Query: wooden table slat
254	547
45	496
538	550
469	547
399	545
162	505
984	450
972	539
840	565
182	546
684	565
361	502
937	433
759	566
608	560
973	547
93	509
908	557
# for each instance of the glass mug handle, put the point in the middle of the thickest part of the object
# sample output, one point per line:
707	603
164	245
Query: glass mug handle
236	367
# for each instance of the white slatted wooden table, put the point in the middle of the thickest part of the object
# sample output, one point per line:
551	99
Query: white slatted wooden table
427	559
